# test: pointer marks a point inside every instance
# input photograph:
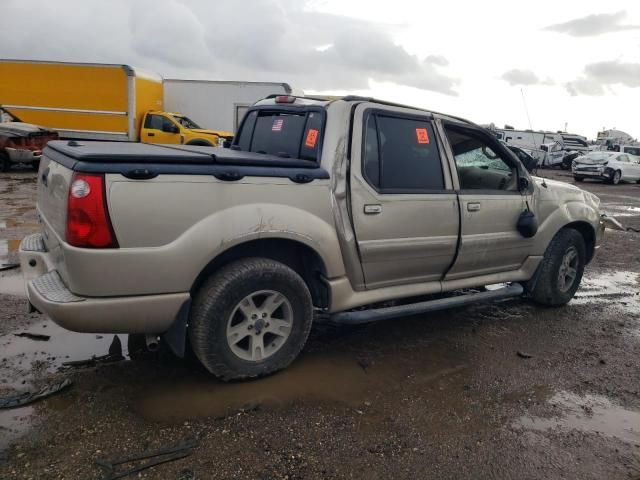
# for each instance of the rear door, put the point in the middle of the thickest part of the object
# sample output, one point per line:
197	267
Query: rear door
405	212
490	203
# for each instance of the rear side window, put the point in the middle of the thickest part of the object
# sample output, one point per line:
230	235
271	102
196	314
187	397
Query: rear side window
283	133
401	155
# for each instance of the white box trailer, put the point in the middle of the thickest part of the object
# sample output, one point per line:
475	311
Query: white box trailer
217	105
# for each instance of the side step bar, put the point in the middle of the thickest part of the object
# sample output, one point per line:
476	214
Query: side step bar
385	313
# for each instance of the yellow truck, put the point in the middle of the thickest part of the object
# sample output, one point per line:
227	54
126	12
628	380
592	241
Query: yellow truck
91	101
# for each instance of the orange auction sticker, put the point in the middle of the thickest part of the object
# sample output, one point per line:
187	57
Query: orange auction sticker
423	136
312	137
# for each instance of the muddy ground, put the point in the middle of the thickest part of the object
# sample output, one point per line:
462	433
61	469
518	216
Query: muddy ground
444	396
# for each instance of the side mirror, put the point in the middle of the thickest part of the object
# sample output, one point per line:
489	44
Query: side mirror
170	128
523	184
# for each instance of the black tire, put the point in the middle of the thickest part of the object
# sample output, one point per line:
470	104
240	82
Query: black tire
35	165
578	179
217	300
615	177
548	290
5	163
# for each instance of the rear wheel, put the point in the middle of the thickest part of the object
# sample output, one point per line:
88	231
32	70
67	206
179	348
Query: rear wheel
250	319
561	269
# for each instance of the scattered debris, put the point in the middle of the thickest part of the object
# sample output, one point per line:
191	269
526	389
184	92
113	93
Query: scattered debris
30	397
524	354
8	266
114	355
40	337
155	458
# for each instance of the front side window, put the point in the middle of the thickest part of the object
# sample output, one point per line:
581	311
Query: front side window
479	166
185	122
401	155
153	122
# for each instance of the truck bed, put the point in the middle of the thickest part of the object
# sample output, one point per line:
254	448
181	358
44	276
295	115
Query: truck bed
142	161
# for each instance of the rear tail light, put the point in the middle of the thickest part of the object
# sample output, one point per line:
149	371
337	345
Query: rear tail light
88	223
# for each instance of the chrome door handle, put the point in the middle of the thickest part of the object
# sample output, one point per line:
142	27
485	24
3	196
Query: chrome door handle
372	209
473	207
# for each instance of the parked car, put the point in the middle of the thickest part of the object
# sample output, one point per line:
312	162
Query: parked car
22	143
352	209
527	160
611	167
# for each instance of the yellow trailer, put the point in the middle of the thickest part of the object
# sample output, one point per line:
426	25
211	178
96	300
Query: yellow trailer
80	100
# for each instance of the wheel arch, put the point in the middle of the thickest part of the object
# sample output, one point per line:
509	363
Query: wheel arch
297	255
199	142
588	234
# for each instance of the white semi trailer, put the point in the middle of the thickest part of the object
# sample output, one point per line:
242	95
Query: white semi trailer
217	104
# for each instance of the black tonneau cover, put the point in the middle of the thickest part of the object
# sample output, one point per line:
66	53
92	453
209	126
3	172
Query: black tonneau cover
142	160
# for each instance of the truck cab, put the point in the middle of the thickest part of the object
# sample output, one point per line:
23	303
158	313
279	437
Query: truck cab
176	128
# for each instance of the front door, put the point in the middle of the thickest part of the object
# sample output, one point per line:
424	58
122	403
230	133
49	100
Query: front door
405	211
490	205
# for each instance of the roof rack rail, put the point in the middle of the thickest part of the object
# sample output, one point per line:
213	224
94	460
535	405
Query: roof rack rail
359	98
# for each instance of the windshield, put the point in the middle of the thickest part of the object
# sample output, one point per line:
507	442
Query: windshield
185	121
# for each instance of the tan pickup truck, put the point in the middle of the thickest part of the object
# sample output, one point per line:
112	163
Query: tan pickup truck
348	209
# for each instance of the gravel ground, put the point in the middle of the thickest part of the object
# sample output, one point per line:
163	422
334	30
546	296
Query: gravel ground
508	390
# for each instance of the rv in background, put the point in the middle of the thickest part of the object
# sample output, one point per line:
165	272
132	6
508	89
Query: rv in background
217	104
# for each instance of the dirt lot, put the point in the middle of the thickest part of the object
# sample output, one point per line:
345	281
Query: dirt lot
448	396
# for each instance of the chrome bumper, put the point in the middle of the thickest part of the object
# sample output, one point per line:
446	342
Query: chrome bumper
23	156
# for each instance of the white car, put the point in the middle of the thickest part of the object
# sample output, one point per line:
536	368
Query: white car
612	167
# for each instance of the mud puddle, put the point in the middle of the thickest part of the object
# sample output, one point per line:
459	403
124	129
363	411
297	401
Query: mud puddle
619	289
320	379
589	413
621	210
25	360
14	423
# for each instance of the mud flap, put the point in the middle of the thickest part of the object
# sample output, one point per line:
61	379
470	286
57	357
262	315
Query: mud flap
176	336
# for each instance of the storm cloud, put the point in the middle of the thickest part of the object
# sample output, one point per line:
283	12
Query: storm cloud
272	40
599	76
593	25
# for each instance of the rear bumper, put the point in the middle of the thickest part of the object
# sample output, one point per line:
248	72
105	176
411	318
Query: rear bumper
131	314
18	155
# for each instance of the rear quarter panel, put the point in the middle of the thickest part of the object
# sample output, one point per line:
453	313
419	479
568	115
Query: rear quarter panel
171	227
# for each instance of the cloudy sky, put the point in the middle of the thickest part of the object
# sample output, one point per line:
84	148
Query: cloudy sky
574	63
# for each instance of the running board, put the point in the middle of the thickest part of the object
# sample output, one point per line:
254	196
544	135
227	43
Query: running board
376	314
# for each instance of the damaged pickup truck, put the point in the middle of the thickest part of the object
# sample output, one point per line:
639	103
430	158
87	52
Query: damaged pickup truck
348	209
22	143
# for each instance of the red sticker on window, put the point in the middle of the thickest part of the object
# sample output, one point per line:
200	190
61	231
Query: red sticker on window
312	137
423	136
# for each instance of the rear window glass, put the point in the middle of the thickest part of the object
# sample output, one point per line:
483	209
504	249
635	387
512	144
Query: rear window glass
282	133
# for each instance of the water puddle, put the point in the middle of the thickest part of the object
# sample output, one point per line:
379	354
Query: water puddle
328	378
14	423
589	413
619	289
616	210
12	283
25	359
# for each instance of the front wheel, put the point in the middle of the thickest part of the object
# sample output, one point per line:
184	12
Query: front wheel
578	179
250	319
561	269
616	177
